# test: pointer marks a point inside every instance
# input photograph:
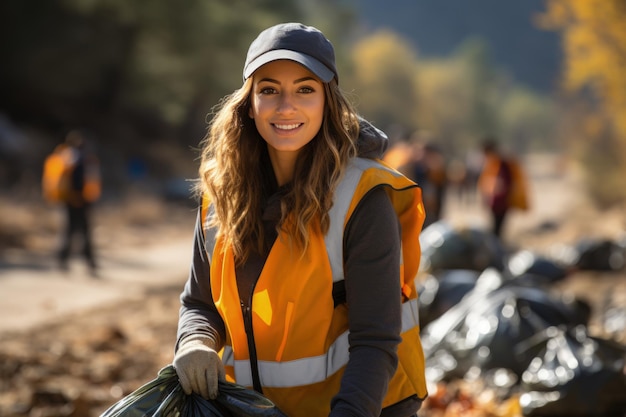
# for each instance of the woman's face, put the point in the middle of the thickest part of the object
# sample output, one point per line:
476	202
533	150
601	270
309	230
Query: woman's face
287	104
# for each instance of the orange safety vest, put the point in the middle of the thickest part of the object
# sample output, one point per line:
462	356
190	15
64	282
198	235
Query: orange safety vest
57	170
518	193
301	338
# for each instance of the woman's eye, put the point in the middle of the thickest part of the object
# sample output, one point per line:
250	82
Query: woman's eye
268	90
306	90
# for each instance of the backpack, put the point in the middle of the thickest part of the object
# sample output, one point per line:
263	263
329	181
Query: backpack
55	182
58	169
518	194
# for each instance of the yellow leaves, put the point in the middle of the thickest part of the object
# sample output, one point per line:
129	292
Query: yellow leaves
594	44
444	87
381	50
385	69
594	39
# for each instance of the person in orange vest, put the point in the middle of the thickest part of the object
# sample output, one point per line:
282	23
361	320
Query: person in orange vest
502	185
71	176
306	246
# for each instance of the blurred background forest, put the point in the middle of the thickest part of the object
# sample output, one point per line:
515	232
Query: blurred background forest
141	78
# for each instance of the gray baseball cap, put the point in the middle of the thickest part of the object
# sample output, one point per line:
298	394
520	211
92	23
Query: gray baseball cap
296	42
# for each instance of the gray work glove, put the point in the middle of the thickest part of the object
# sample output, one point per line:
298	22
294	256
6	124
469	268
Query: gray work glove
199	367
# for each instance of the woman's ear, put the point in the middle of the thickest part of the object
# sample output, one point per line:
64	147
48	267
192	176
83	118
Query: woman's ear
250	114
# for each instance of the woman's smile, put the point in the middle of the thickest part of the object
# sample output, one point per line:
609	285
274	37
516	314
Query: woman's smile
287	128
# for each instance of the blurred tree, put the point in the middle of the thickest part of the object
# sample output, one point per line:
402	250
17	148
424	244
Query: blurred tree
446	102
385	80
127	68
465	97
594	42
483	82
140	76
459	96
527	120
457	100
57	60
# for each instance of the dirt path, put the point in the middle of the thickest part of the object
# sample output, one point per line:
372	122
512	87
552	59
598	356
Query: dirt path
42	294
133	256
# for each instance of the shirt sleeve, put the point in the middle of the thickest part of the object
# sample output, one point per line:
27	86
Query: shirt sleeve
198	315
373	295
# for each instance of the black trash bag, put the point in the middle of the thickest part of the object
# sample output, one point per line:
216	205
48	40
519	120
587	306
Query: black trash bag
528	268
242	402
599	255
573	374
164	397
483	329
444	247
146	400
441	290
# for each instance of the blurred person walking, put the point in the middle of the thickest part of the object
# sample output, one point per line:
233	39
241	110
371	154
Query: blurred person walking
437	178
502	185
71	177
426	166
306	246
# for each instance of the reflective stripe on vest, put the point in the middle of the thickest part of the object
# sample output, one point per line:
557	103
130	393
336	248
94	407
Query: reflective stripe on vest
209	232
308	371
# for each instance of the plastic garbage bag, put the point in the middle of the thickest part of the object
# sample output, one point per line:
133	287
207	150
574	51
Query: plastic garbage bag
600	255
593	254
573	374
441	290
483	329
146	400
164	397
528	268
445	247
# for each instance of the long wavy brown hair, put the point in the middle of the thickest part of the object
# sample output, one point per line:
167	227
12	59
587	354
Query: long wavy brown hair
232	171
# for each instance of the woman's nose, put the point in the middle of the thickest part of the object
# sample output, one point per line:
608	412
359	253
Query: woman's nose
286	104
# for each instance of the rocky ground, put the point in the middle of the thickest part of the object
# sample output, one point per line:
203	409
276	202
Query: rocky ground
72	345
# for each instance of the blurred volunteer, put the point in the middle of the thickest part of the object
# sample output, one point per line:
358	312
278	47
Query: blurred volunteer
71	176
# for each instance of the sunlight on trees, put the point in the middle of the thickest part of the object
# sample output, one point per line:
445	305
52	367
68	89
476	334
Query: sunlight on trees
594	41
385	76
528	120
457	100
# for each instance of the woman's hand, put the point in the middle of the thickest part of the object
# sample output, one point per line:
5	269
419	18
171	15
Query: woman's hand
199	367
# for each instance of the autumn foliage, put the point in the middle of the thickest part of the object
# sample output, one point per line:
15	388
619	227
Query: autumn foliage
594	46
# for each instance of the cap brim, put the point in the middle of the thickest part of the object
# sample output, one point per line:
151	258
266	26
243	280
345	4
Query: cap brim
315	66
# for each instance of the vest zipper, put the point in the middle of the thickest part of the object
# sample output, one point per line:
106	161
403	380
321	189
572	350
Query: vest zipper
254	364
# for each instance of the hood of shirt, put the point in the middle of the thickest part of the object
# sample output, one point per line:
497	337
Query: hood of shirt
372	142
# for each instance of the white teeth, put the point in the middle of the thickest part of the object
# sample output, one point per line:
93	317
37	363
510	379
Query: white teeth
287	127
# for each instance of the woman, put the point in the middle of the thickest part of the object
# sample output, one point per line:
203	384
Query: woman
302	246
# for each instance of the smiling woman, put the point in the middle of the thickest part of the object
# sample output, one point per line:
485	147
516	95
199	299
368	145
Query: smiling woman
300	220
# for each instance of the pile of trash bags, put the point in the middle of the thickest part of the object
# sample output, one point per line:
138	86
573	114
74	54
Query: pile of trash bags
484	311
164	397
